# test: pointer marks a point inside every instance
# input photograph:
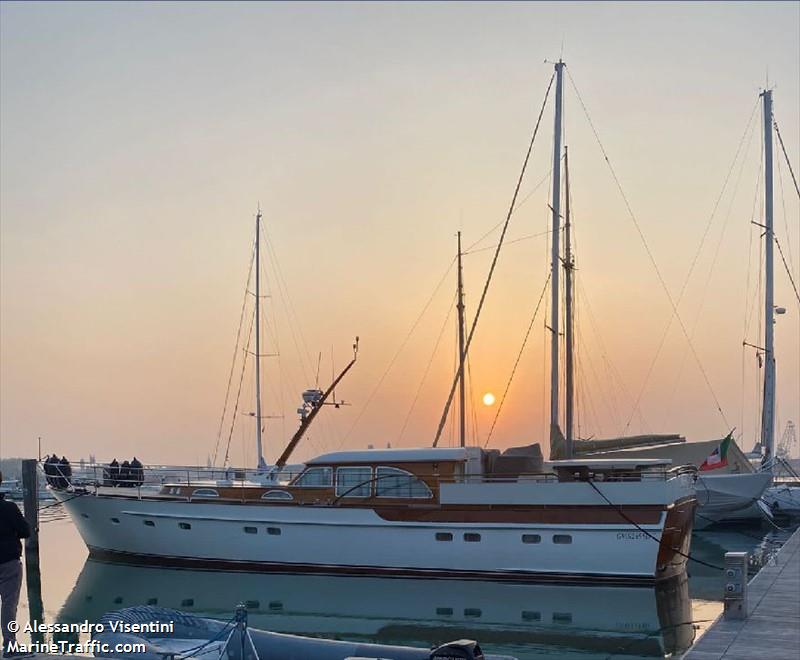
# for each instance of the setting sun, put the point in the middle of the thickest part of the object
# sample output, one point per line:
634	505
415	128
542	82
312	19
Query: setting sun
488	399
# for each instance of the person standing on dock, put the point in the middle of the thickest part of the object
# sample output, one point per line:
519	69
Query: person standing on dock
12	528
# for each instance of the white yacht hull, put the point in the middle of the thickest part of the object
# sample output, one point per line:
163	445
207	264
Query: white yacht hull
357	540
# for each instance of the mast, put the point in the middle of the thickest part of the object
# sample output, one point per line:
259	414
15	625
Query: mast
555	258
460	307
768	408
569	266
259	451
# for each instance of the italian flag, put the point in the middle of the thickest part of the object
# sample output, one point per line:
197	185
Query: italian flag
718	458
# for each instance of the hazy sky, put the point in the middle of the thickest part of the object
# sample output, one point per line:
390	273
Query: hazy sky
138	139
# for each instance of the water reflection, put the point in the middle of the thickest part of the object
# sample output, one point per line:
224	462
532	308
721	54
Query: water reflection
519	619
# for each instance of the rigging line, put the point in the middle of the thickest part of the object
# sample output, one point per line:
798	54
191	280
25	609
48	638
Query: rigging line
785	155
494	259
714	259
788	272
427	369
516	240
238	393
650	255
542	181
516	362
398	352
292	317
474	412
785	220
235	353
696	257
614	377
756	292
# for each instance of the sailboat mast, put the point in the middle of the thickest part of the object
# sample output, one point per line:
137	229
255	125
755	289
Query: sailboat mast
768	408
555	258
568	321
460	307
259	450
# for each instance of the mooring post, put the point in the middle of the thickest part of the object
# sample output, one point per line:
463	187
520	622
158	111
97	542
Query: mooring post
735	598
33	575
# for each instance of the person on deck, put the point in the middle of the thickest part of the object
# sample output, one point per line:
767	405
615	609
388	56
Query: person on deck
12	528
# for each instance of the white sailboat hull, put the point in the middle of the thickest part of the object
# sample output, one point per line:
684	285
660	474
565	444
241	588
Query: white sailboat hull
783	500
726	497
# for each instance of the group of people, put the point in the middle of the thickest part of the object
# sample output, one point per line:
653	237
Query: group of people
128	474
57	471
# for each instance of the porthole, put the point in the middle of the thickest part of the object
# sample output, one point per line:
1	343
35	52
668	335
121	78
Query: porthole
562	617
251	530
444	536
187	602
152	601
275	606
115	521
85	515
149	523
527	615
471	537
531	538
562	539
472	612
274	531
444	611
184	525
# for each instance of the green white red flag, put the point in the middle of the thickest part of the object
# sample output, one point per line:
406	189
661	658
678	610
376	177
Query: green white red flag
718	458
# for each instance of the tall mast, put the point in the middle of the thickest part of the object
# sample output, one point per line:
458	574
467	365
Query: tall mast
259	451
555	258
460	307
569	265
768	408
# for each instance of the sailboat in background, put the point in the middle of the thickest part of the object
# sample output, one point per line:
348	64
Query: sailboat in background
729	487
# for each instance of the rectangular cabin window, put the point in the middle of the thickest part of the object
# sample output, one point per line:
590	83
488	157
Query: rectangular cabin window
274	531
149	523
444	536
394	482
315	477
529	615
251	530
531	538
562	539
471	537
184	525
353	482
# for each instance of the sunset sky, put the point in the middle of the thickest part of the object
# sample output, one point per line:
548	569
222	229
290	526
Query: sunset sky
137	141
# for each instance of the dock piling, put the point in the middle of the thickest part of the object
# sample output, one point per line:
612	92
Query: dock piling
33	575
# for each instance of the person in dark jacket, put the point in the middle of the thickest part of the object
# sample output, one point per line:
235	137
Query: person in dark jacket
12	528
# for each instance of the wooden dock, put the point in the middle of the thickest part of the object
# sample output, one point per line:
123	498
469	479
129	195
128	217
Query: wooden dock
772	628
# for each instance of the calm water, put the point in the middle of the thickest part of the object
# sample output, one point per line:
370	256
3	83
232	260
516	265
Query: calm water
527	621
